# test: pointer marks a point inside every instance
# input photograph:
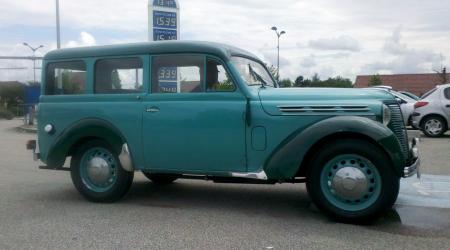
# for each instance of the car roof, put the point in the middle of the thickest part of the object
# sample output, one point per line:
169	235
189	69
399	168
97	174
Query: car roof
159	47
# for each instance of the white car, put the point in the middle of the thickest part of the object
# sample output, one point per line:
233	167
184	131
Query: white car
406	103
432	112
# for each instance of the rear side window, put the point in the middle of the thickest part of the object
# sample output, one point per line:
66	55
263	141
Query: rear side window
178	74
65	78
119	76
447	93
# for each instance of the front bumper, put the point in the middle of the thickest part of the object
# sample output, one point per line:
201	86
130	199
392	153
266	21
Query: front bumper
414	168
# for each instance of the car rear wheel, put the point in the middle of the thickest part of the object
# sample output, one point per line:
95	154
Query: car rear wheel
97	174
434	126
352	181
160	179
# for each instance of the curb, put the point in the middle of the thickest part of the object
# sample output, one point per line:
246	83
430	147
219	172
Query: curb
27	129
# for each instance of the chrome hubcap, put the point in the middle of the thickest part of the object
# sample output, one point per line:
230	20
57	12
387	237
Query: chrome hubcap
350	183
433	126
98	170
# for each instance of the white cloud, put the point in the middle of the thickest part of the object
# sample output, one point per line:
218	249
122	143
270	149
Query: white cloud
85	39
399	58
346	43
346	37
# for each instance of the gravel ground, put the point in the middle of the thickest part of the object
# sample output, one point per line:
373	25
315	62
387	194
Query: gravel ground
41	209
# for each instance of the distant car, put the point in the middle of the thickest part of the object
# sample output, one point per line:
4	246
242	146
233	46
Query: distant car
409	94
406	103
432	112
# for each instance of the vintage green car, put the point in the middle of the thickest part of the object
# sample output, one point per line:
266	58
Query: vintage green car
209	111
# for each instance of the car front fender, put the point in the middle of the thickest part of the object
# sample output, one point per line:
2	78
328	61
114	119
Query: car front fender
286	160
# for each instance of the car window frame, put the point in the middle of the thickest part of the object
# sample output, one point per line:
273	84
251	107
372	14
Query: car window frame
46	75
228	72
145	74
205	57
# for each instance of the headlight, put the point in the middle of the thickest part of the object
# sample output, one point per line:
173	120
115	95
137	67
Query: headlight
386	115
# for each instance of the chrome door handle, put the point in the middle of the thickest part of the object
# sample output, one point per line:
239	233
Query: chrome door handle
152	110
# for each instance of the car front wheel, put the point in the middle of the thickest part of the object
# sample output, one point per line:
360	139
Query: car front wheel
352	181
433	126
97	174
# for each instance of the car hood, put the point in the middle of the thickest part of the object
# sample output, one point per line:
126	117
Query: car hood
321	100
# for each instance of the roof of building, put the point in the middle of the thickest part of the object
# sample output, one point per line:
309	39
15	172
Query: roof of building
159	47
417	84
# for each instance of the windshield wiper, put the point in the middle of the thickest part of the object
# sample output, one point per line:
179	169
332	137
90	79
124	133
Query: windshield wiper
257	77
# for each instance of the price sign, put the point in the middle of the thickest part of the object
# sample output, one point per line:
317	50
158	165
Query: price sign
164	24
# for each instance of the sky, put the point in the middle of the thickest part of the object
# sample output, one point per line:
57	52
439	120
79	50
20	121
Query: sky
328	37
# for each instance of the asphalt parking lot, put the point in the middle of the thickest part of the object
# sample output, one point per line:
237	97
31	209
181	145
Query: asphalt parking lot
41	209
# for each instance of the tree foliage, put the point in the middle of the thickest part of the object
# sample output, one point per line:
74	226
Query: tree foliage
375	80
316	82
12	94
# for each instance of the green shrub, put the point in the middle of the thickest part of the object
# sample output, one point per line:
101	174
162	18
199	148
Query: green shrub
5	114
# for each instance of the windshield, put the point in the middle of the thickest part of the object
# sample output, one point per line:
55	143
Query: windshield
253	73
403	96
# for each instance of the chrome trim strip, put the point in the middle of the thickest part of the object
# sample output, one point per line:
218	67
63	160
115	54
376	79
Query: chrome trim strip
125	159
322	108
259	175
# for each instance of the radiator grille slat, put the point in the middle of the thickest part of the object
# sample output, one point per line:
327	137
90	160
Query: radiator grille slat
398	127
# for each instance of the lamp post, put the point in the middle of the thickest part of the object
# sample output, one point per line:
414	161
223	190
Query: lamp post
33	58
279	34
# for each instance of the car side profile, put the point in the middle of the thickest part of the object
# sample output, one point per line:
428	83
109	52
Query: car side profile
432	112
208	111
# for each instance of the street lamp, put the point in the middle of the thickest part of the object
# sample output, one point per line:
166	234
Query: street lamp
33	58
279	34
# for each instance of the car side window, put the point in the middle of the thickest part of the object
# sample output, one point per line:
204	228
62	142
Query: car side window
65	78
178	74
119	76
447	93
217	78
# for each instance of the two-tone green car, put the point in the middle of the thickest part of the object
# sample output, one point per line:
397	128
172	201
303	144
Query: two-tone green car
208	111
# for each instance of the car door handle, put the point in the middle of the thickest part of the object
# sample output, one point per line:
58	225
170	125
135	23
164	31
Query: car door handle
153	110
448	106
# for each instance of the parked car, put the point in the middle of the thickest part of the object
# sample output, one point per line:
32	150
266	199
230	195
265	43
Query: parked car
411	95
406	103
208	111
432	112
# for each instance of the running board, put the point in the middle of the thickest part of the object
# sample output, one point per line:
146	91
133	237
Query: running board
52	168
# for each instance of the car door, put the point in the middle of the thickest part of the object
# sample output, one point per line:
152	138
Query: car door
194	118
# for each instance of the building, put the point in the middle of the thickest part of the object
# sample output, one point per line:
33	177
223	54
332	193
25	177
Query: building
417	84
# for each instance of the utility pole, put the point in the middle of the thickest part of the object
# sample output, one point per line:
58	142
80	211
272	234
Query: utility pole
58	28
279	34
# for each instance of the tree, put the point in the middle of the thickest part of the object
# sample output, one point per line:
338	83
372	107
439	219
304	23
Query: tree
12	94
273	71
442	75
286	83
375	80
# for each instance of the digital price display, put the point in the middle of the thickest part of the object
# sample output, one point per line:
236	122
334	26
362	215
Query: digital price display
167	74
165	3
162	19
162	34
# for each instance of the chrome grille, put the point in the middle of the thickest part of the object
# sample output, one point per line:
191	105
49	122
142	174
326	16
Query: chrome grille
398	127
